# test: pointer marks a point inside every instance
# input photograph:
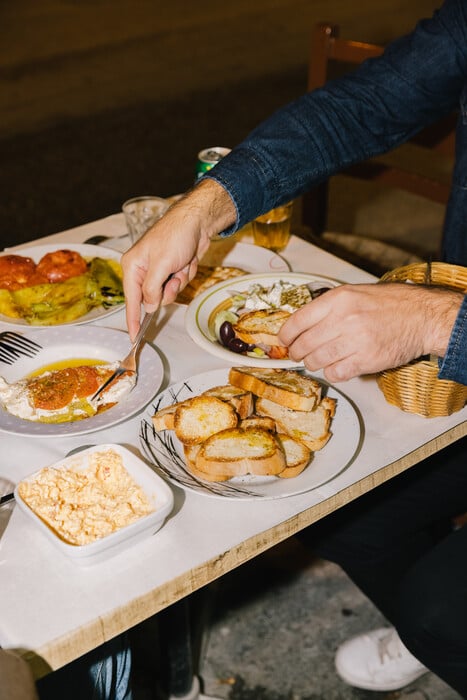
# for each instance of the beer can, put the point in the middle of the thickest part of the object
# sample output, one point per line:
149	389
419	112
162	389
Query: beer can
208	157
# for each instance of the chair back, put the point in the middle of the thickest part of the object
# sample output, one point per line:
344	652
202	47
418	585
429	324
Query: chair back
328	52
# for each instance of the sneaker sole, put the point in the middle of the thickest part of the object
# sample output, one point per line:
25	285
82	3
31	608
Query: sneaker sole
358	683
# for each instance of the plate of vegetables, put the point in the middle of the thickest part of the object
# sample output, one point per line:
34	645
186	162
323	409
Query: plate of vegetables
46	285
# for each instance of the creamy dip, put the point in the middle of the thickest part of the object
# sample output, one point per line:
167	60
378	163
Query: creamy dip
84	505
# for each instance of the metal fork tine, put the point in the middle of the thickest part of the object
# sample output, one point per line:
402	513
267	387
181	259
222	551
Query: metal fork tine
21	340
13	345
128	364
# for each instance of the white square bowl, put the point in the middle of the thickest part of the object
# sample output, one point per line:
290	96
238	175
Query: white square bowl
155	488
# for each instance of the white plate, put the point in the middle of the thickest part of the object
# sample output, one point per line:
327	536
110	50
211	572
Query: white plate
87	251
157	491
166	451
248	257
72	342
200	309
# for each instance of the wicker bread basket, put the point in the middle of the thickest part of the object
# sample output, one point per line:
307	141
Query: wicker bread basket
415	387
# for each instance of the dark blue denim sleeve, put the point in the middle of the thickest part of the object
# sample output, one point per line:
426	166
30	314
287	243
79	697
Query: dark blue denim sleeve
383	103
454	364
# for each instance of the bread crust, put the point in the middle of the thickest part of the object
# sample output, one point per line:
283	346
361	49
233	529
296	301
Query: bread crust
240	451
297	456
190	452
286	387
261	326
309	427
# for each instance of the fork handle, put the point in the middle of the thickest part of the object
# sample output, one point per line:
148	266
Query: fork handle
143	328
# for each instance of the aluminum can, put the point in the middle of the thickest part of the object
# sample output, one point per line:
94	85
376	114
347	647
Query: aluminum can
208	157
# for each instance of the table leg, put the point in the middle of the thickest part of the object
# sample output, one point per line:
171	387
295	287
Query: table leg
183	683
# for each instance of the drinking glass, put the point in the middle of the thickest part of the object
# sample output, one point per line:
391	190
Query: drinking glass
272	230
141	213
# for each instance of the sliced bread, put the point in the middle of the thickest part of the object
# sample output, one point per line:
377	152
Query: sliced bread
164	418
201	417
260	326
241	399
297	456
255	421
285	387
239	451
310	427
191	452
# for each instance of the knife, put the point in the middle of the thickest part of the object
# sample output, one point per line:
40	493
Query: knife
6	498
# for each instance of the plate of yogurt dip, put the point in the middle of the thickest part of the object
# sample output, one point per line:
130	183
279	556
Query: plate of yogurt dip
96	503
226	301
49	394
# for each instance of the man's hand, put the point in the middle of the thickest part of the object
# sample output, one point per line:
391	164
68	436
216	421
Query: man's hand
166	258
360	329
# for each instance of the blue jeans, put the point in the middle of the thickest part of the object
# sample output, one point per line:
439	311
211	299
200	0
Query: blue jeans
102	674
398	545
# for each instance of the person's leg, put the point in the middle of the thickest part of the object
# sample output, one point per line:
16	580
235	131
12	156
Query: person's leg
102	674
377	538
431	610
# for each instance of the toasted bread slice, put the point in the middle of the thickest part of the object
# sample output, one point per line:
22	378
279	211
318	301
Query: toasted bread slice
285	387
297	456
206	276
241	399
238	452
310	427
255	421
201	417
261	326
164	418
191	452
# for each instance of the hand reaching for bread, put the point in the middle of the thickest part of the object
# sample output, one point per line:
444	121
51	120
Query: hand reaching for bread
265	422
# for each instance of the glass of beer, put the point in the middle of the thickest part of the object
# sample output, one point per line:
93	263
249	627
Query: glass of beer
272	230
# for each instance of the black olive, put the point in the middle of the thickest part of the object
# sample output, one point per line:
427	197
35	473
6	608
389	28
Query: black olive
238	345
317	292
226	333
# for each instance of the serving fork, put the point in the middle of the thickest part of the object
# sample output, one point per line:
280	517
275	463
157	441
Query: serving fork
128	364
13	345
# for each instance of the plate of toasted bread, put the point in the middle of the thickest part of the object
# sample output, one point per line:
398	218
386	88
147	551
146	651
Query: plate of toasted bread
251	432
226	259
239	319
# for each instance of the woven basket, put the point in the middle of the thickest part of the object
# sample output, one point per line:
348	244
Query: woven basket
415	387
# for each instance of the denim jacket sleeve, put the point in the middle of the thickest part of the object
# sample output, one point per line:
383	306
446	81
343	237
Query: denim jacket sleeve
383	103
454	363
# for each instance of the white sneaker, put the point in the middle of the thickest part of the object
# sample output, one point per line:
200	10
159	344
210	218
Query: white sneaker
377	660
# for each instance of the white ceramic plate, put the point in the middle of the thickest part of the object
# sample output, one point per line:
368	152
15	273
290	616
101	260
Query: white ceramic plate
248	257
87	251
158	492
200	309
166	452
84	342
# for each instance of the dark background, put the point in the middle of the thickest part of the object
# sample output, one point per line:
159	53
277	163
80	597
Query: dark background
102	100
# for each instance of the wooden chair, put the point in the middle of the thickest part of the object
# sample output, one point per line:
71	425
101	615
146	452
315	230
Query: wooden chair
330	56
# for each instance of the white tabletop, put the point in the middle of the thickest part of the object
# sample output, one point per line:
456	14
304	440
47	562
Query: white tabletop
50	609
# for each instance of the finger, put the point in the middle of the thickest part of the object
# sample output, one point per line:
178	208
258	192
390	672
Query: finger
133	298
301	320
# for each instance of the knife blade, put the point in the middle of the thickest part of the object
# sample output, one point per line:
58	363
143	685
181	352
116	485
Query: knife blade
6	498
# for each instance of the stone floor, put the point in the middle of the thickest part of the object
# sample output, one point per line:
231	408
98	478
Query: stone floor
271	631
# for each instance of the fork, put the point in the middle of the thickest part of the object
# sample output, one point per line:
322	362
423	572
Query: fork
13	345
128	364
95	240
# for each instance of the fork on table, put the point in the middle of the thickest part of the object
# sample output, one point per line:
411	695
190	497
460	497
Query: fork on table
13	345
128	364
